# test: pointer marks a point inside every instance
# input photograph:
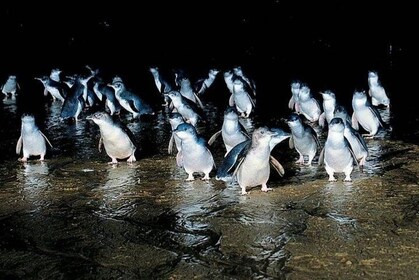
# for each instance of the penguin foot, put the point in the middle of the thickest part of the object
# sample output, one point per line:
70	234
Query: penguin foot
332	179
347	179
266	189
131	159
23	159
114	161
244	192
205	178
190	177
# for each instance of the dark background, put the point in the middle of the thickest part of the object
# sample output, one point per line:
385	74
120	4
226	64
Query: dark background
327	44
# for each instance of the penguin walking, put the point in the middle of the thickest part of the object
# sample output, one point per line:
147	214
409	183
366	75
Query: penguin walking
241	98
117	139
31	141
53	87
175	119
190	112
194	155
202	85
365	114
250	161
376	91
303	138
337	154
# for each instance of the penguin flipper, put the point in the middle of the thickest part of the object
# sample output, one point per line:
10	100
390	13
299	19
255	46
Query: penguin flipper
19	145
291	143
358	136
321	157
322	119
231	101
170	147
198	101
45	92
276	165
291	103
355	124
100	144
378	115
214	137
352	151
232	160
314	133
46	139
179	159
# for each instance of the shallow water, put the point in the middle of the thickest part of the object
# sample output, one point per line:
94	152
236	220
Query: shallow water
75	216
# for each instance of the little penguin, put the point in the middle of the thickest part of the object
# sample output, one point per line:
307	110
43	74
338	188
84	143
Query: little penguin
337	154
250	160
377	91
309	106
304	139
10	86
117	139
32	141
365	114
194	155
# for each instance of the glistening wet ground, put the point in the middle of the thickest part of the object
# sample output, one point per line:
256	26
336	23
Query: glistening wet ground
73	216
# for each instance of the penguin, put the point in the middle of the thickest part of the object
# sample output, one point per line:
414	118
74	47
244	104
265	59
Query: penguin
309	106
186	89
55	88
117	139
74	102
365	114
250	160
130	101
228	79
329	104
376	91
10	86
190	112
238	71
163	84
202	85
232	131
337	154
55	75
241	98
175	119
32	141
293	103
304	139
106	94
357	142
194	155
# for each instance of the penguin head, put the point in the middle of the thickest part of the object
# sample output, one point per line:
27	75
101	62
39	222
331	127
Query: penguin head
117	86
304	93
43	79
340	111
293	120
154	70
359	96
12	78
175	118
100	118
328	95
262	135
185	130
372	75
336	125
231	113
174	94
279	135
214	72
295	88
27	118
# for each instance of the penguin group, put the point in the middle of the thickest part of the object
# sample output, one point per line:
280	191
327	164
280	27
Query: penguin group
247	158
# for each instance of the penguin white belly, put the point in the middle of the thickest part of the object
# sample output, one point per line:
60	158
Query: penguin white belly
254	171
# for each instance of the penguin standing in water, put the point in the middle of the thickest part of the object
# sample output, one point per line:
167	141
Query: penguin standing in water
117	139
377	91
250	160
365	114
337	154
194	155
10	86
357	142
304	139
175	119
32	141
329	104
55	88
